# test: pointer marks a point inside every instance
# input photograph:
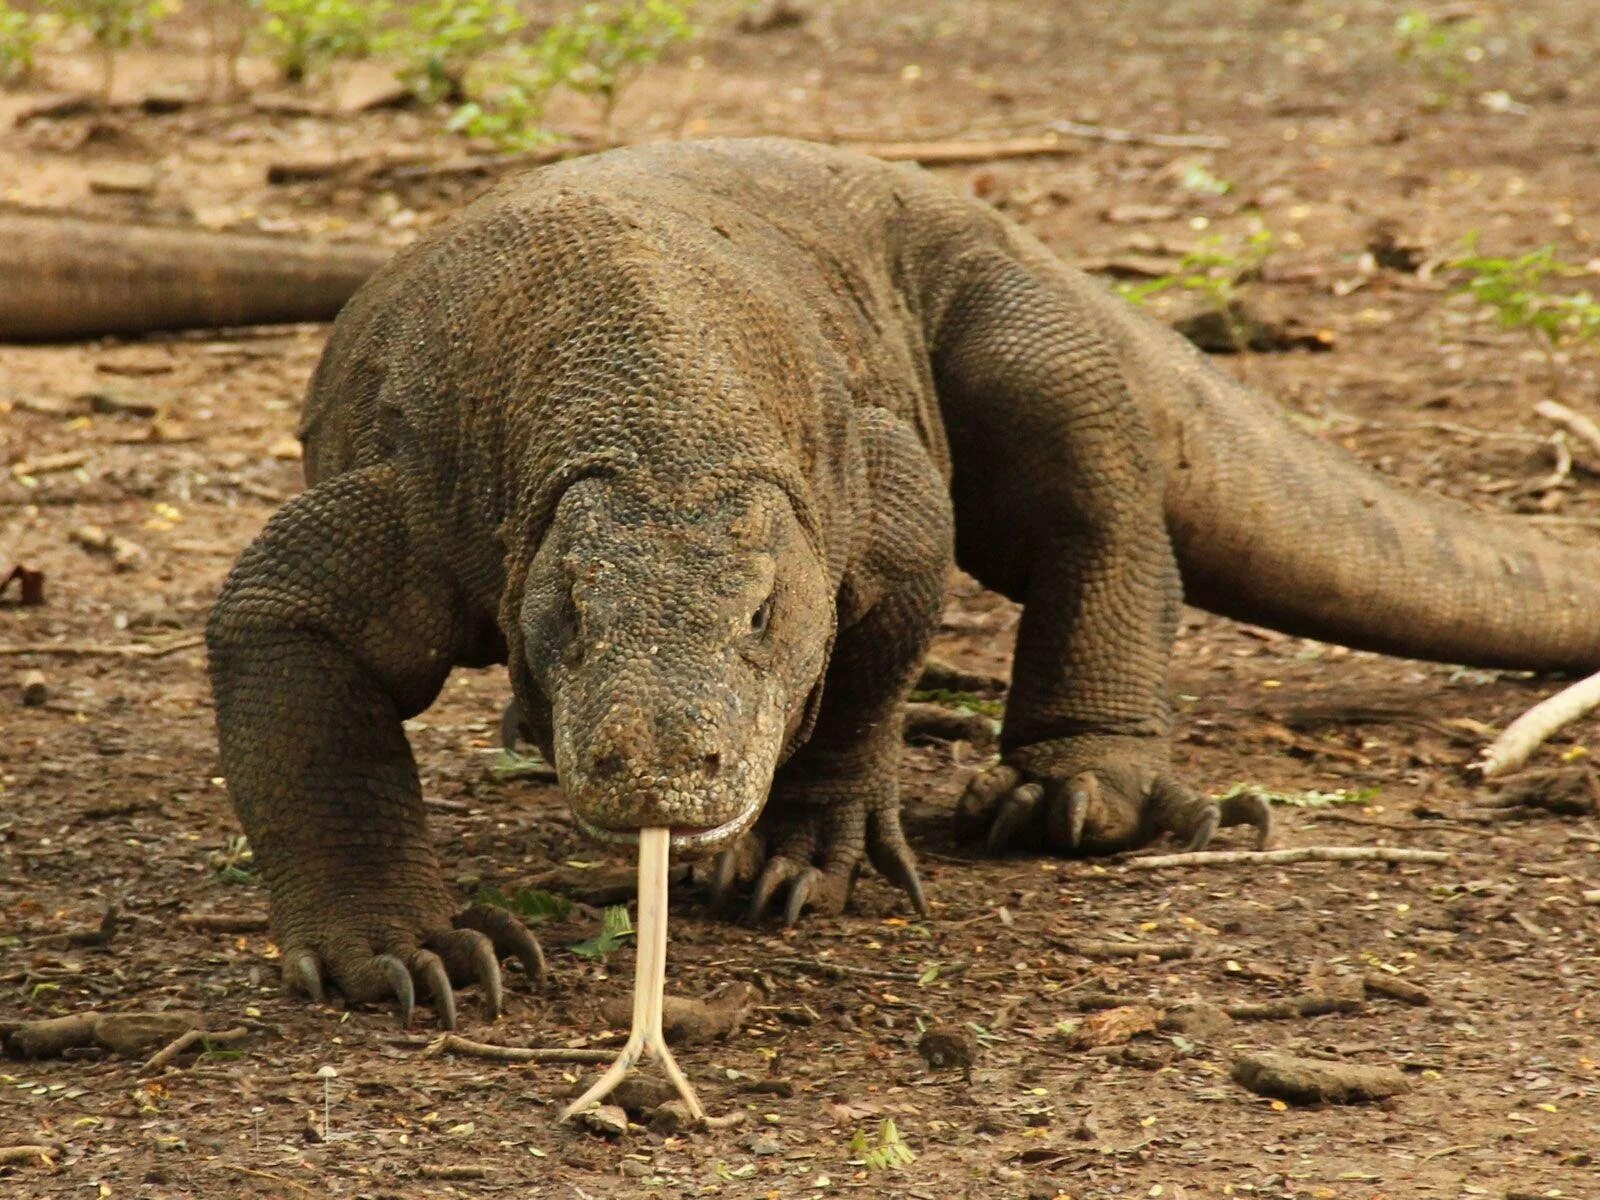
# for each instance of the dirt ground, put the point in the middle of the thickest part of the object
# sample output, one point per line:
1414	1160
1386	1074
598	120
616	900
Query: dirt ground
109	793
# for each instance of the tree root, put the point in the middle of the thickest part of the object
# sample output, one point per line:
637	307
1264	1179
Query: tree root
1529	731
451	1043
184	1043
1292	854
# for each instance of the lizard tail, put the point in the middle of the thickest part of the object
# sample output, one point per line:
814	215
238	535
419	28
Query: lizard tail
67	277
1274	526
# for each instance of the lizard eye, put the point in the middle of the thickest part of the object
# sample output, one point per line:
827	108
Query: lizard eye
761	618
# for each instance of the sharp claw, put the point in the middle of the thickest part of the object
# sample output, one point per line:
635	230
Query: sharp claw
773	876
511	726
1081	793
1016	810
1203	830
431	967
486	970
303	972
897	864
510	936
400	983
724	874
799	893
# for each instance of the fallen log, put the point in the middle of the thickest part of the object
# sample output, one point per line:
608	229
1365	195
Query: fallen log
64	278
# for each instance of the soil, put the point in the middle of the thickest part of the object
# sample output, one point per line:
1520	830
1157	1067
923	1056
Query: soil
1366	166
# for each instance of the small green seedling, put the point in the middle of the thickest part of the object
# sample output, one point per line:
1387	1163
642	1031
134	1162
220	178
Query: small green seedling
440	39
1445	49
966	701
615	928
600	49
21	34
1218	272
1514	289
113	25
304	36
886	1152
597	51
533	905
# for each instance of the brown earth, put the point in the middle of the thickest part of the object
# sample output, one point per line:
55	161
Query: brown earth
109	794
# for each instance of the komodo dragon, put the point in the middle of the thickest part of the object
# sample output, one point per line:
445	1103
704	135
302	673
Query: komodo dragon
687	435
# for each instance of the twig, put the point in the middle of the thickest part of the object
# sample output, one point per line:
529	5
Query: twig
19	1154
1170	141
299	1187
961	151
1575	423
1292	854
649	985
225	922
453	1171
1312	1005
1094	948
450	1043
832	970
1395	988
103	649
185	1042
1525	735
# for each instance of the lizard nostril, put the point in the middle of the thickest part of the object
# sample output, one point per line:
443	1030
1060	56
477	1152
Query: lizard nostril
609	765
711	764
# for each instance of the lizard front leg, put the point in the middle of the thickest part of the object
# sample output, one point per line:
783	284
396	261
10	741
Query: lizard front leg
837	800
330	631
1059	497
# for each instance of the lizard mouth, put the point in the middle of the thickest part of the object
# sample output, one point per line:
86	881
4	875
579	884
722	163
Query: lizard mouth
698	839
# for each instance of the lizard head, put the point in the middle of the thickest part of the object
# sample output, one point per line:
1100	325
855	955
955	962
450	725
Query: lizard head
681	648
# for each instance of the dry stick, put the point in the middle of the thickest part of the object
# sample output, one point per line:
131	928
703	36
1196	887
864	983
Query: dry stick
1575	423
1524	735
1095	948
450	1043
956	153
649	984
225	922
1171	141
1293	854
17	1154
185	1042
104	650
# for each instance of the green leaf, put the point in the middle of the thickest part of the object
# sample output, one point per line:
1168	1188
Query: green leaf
1306	799
533	905
615	927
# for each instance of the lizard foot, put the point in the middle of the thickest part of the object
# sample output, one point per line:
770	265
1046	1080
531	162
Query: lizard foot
817	855
1095	796
380	963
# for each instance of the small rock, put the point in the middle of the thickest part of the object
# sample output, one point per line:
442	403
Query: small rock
637	1095
608	1120
634	1169
1196	1019
769	15
671	1117
35	689
945	1046
1315	1080
762	1144
123	181
287	449
371	85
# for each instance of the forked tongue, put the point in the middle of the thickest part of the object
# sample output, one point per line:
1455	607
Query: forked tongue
649	985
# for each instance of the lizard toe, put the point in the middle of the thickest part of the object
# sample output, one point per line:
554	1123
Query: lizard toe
510	937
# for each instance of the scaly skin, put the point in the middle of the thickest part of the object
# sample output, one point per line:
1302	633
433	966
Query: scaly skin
684	434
